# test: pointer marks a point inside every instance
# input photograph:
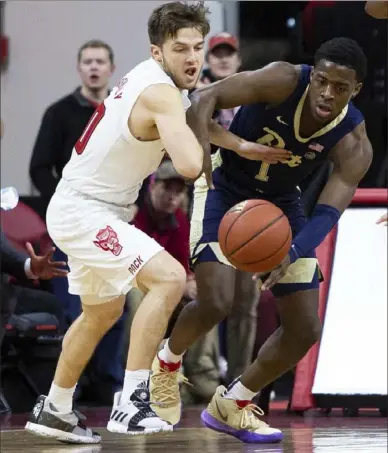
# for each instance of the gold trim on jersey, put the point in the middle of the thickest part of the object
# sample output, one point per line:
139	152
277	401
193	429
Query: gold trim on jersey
324	130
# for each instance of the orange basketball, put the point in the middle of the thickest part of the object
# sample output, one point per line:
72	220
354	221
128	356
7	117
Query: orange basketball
255	236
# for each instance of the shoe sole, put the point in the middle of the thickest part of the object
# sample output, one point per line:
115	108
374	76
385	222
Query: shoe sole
115	427
164	414
61	436
241	434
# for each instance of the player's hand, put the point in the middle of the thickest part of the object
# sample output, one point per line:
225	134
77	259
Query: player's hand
42	266
383	219
207	163
255	151
277	274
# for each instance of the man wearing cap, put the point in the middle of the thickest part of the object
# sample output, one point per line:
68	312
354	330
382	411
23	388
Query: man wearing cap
223	59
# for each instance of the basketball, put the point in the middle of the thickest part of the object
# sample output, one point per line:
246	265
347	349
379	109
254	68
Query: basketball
255	236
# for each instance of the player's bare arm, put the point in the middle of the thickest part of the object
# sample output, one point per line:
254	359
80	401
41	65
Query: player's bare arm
351	157
164	108
225	139
271	84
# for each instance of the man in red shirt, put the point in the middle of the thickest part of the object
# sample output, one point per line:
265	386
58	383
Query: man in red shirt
162	217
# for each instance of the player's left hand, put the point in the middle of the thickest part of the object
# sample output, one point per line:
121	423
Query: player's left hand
277	274
42	266
255	151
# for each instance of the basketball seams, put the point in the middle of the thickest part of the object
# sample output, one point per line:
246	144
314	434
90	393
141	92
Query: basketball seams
270	256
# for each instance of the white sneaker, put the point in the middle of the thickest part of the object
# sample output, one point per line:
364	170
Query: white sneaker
135	417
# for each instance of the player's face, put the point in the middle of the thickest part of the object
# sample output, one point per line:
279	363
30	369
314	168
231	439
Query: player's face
95	68
167	196
331	88
224	61
182	57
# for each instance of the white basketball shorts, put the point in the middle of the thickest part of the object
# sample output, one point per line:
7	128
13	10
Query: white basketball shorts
105	252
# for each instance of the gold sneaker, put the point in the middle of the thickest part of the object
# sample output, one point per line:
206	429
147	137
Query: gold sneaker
224	415
164	390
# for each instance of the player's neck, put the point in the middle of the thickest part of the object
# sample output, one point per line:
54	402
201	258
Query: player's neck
94	95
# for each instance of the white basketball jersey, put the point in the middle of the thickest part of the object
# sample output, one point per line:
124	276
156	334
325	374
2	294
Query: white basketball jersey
108	162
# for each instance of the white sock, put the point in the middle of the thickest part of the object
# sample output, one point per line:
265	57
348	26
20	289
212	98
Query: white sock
132	380
167	356
239	392
62	398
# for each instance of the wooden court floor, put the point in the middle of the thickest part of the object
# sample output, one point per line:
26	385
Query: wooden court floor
309	434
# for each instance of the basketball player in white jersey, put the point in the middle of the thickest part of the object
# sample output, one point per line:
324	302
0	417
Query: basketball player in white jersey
124	142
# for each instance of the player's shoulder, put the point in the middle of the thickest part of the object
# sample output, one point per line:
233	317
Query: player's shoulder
160	96
355	145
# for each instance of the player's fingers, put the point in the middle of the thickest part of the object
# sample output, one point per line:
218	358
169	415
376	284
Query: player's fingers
58	264
60	272
280	152
30	250
209	179
272	280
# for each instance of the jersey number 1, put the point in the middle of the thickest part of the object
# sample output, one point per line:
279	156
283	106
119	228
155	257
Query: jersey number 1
89	129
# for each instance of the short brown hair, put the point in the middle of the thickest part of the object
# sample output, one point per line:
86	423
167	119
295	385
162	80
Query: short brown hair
166	20
96	44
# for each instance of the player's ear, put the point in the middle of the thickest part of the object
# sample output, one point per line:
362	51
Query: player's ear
357	89
156	53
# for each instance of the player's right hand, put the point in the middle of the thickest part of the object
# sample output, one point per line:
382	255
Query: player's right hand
255	151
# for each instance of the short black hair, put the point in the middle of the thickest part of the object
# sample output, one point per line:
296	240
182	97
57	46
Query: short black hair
167	19
344	52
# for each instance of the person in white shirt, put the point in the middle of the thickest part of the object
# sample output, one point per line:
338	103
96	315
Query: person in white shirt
124	142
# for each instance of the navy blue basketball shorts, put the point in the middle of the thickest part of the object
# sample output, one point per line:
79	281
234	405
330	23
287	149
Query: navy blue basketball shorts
209	208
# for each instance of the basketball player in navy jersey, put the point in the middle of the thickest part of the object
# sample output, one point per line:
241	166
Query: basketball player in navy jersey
308	111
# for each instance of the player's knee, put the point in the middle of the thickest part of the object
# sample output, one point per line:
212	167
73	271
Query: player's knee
104	316
309	331
176	280
216	305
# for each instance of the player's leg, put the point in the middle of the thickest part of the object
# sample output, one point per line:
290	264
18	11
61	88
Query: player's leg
297	296
300	329
53	416
241	325
163	280
215	282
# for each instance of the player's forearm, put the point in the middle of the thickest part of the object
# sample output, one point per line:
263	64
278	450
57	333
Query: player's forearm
185	152
320	224
223	138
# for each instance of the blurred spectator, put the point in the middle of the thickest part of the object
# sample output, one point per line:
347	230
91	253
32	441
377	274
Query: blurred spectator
162	217
64	121
223	59
62	124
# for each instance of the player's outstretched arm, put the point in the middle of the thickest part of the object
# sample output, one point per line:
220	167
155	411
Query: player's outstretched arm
223	138
352	157
164	105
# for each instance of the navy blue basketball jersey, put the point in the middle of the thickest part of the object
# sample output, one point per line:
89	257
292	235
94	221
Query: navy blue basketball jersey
279	127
